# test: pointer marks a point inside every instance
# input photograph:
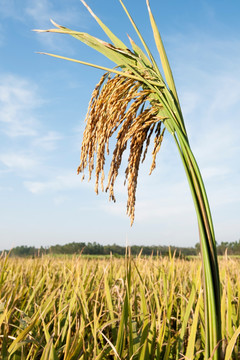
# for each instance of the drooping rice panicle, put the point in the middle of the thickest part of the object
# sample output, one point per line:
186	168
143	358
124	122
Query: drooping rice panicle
119	104
151	100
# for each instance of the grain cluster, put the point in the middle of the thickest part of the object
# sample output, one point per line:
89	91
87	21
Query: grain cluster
120	104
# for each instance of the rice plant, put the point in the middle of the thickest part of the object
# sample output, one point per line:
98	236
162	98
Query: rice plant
138	101
132	308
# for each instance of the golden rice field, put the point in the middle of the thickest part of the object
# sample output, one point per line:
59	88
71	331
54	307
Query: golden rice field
139	308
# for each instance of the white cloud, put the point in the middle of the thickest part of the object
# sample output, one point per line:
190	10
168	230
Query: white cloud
42	11
48	141
18	100
59	183
38	15
37	187
20	103
209	77
18	161
39	11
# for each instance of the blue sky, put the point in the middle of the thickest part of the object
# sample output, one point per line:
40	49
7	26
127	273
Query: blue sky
43	102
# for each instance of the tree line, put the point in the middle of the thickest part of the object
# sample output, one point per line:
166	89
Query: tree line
232	248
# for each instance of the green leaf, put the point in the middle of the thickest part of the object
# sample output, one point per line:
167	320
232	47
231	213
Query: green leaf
15	344
114	71
163	56
191	301
192	337
97	44
141	38
231	344
116	41
140	53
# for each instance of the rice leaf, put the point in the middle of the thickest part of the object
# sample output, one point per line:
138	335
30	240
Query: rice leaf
163	56
15	344
231	344
116	41
140	53
193	332
188	310
142	40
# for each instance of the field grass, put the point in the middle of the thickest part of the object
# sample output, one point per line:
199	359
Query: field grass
93	308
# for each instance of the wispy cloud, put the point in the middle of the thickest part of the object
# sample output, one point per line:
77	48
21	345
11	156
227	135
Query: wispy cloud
40	13
17	161
18	100
209	78
20	103
68	181
26	140
48	141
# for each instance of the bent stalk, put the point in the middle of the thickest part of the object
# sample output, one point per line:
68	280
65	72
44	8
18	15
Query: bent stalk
208	254
135	100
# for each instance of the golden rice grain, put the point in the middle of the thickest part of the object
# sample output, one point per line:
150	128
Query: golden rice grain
120	104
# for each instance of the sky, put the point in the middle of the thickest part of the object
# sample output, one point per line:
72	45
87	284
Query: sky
43	102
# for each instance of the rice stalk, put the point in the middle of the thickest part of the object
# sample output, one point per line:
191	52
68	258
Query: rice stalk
135	100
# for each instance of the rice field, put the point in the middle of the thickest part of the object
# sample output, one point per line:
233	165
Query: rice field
133	308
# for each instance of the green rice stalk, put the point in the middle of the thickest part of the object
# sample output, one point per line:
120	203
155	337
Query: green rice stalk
154	103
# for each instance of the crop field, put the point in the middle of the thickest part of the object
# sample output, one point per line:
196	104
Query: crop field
133	308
